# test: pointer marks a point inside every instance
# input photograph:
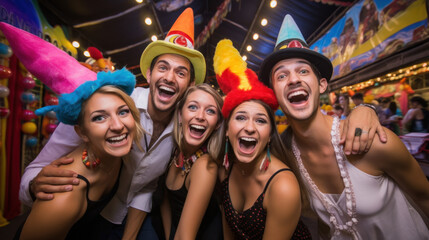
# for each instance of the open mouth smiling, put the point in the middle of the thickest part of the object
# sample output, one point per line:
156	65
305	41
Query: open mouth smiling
197	130
117	139
298	96
247	144
165	91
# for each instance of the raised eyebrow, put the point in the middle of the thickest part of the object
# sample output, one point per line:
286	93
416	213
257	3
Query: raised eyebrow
101	111
123	106
183	68
241	112
163	61
278	68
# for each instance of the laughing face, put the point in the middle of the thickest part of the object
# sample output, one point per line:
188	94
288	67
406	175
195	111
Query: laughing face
108	125
249	131
168	81
199	118
297	88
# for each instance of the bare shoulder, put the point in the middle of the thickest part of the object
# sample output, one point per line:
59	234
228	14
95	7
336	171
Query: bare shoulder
283	187
53	219
71	205
390	154
205	163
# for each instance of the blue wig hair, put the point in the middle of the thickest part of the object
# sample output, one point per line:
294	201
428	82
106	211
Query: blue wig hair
70	104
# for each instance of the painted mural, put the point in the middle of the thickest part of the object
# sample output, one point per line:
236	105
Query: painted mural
371	30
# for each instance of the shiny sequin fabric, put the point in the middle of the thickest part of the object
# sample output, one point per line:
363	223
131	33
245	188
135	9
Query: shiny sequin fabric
250	224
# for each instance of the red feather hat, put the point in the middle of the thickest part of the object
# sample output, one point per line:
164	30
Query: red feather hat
238	82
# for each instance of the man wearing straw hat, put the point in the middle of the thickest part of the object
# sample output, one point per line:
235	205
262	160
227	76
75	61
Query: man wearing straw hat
170	66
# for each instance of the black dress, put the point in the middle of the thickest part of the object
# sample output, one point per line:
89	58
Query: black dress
87	226
211	224
250	224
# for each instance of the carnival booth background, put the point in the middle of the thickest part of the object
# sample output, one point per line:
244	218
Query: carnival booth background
22	132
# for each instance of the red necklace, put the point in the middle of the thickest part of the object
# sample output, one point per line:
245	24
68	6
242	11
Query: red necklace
87	162
186	163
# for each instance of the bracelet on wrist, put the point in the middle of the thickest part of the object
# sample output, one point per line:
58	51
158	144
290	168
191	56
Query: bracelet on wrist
367	105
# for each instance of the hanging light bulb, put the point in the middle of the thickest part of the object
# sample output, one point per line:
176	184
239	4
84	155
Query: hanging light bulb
255	36
273	3
76	44
148	21
264	22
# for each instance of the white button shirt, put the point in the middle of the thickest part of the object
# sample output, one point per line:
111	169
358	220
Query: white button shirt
139	174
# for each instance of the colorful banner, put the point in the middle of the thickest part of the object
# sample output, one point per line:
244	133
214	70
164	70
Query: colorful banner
371	30
214	22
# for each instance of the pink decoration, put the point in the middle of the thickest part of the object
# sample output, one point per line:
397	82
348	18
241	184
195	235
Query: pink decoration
50	128
28	83
51	100
54	67
28	115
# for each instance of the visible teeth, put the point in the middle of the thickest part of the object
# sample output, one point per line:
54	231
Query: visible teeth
296	94
248	139
167	89
198	127
118	138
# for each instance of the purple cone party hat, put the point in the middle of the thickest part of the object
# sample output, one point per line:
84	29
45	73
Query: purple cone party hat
291	44
180	41
61	76
62	73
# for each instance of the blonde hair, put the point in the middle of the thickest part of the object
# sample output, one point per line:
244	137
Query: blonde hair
215	140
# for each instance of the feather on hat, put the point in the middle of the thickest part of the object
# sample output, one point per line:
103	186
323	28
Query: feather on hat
238	82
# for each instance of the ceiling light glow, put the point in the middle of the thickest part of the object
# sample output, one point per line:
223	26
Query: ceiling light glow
264	22
255	36
76	44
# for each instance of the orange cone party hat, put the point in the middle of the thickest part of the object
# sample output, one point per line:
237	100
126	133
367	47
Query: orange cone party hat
180	41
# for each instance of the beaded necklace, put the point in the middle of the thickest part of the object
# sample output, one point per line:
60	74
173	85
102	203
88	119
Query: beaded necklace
330	206
86	161
186	163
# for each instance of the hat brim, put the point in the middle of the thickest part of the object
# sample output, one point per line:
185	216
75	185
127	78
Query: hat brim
163	47
322	63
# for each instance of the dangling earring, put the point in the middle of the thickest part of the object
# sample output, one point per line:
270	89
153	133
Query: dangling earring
225	158
266	162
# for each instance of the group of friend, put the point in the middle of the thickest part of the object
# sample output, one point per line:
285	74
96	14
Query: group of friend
177	161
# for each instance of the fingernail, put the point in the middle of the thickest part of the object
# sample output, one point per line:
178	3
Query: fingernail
75	175
75	181
69	188
347	153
